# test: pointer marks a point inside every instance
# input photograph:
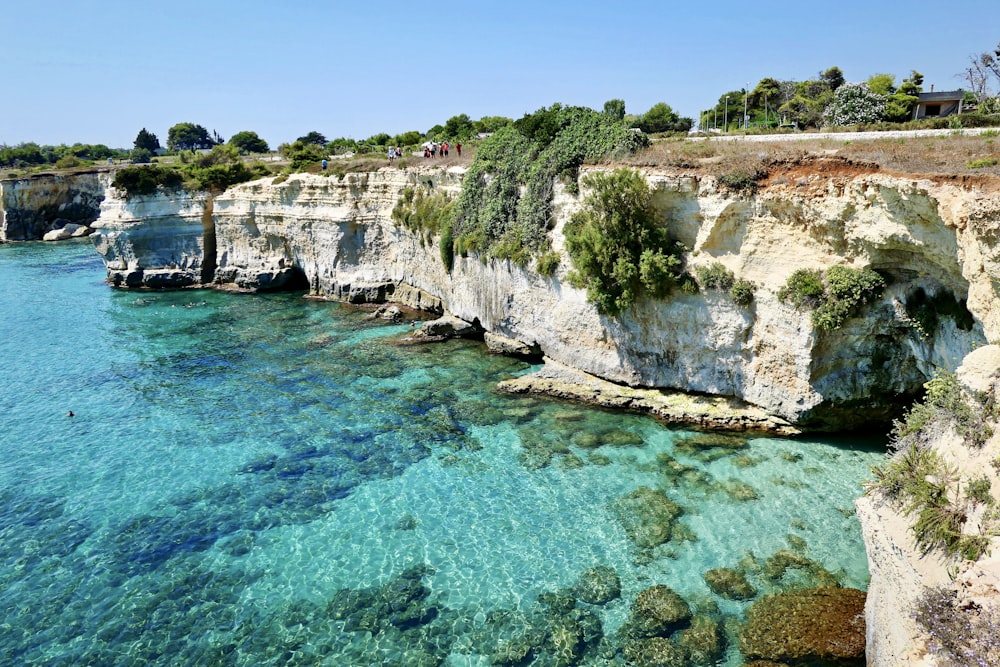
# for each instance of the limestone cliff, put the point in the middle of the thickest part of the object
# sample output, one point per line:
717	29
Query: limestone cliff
31	207
156	240
926	607
931	238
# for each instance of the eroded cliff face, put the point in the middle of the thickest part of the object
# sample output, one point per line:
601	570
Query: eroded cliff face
933	239
31	207
155	240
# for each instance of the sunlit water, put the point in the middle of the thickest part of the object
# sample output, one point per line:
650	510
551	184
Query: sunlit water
240	465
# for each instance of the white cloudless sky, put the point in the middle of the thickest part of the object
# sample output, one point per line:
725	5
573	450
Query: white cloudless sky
97	71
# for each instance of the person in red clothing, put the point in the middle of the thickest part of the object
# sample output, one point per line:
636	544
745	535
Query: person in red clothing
458	148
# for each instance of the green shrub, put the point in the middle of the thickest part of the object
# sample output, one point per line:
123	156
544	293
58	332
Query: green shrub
983	163
803	289
619	251
547	263
715	276
505	209
145	180
834	299
447	248
68	162
847	290
978	489
424	212
741	293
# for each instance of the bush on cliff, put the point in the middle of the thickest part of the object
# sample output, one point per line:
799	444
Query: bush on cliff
505	209
917	480
619	251
428	214
134	181
833	298
214	171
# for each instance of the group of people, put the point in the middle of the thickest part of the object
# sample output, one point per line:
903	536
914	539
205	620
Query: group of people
432	149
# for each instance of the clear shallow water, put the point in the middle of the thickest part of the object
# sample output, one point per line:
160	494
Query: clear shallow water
239	466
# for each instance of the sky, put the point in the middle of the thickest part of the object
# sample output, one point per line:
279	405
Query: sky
97	72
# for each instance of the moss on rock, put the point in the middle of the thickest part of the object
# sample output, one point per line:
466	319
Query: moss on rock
598	585
730	584
819	627
647	516
657	612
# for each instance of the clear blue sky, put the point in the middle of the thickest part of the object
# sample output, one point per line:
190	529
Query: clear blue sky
98	71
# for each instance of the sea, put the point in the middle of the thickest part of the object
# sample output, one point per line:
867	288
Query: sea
264	479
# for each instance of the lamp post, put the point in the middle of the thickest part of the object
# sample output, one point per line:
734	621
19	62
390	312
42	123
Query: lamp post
725	116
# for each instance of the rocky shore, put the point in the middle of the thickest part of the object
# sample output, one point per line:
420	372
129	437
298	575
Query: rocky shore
673	407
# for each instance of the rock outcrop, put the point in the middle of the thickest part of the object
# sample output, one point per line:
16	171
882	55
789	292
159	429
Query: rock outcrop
904	573
31	207
336	236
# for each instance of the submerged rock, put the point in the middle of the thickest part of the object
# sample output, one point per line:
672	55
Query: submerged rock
647	516
598	585
657	612
811	627
703	642
654	652
729	583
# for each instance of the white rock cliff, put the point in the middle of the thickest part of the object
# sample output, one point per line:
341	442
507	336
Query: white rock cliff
337	237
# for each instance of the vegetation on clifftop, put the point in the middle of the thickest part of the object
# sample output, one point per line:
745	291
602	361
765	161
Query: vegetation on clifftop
505	209
213	171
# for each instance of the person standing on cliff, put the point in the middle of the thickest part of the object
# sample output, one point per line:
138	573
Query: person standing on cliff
458	148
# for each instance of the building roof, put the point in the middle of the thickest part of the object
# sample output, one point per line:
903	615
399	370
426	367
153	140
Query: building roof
943	96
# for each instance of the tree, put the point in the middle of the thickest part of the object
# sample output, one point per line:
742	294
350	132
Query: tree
805	102
141	156
313	137
459	127
900	104
855	104
882	84
248	142
615	108
490	124
411	138
342	145
661	118
147	140
833	77
188	136
982	68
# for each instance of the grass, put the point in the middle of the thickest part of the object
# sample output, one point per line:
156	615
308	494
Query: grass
946	155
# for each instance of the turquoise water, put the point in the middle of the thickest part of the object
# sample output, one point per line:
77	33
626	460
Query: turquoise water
266	480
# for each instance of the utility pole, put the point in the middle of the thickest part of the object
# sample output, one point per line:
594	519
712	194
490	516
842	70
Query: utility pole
725	116
746	116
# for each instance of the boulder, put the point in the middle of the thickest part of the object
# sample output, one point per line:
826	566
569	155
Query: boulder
818	627
730	584
598	585
657	612
647	516
502	345
69	231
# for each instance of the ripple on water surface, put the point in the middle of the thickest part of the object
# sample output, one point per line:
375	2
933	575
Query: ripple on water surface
261	479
